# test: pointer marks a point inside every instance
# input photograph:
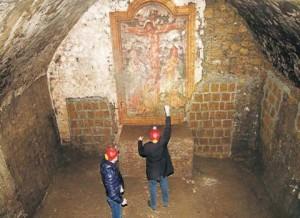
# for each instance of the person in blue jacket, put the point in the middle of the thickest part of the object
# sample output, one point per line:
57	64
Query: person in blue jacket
158	161
113	181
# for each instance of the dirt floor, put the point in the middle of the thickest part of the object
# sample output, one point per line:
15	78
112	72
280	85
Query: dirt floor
219	189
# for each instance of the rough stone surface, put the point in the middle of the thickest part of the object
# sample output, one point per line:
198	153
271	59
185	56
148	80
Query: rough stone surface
279	136
9	204
228	44
229	47
30	32
276	25
29	144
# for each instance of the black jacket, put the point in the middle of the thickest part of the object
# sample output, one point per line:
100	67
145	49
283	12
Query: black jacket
112	180
158	160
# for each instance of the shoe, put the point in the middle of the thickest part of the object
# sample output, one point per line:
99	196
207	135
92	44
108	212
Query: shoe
149	205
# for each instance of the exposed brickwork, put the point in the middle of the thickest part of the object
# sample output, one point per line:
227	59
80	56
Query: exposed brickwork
228	44
273	96
211	118
91	123
28	140
280	141
30	33
232	54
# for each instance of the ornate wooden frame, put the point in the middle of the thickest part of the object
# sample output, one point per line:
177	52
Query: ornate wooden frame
189	12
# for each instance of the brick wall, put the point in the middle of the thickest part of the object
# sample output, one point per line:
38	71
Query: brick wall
91	123
272	100
229	47
280	143
211	118
224	108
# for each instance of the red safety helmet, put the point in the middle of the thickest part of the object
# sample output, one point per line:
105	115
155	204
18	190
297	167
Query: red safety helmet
111	153
154	134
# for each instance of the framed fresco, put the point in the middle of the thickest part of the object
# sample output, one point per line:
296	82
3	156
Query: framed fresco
153	48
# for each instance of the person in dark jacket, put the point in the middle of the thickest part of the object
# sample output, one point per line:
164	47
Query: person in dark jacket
158	161
113	181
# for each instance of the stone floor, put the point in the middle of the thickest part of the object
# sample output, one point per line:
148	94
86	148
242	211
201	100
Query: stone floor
218	188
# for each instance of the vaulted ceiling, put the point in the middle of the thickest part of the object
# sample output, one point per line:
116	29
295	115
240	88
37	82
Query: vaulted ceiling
276	26
30	32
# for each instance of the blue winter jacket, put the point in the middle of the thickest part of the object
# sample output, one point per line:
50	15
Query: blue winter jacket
112	180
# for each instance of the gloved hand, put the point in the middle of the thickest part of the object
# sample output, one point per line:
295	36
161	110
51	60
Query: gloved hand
124	203
167	110
141	138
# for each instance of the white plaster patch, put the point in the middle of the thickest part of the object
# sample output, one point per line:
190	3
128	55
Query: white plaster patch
200	7
82	65
200	31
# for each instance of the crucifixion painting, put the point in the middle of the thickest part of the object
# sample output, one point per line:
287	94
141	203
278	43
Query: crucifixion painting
153	45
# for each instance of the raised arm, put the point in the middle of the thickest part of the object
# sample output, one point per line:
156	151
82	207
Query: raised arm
136	30
167	131
163	28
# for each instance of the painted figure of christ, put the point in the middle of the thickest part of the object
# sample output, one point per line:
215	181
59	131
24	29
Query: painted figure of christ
153	32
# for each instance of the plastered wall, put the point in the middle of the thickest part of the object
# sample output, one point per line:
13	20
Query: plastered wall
83	65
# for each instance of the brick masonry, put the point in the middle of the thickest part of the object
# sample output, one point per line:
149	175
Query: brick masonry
280	143
28	138
211	118
227	44
224	108
229	47
272	100
91	123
